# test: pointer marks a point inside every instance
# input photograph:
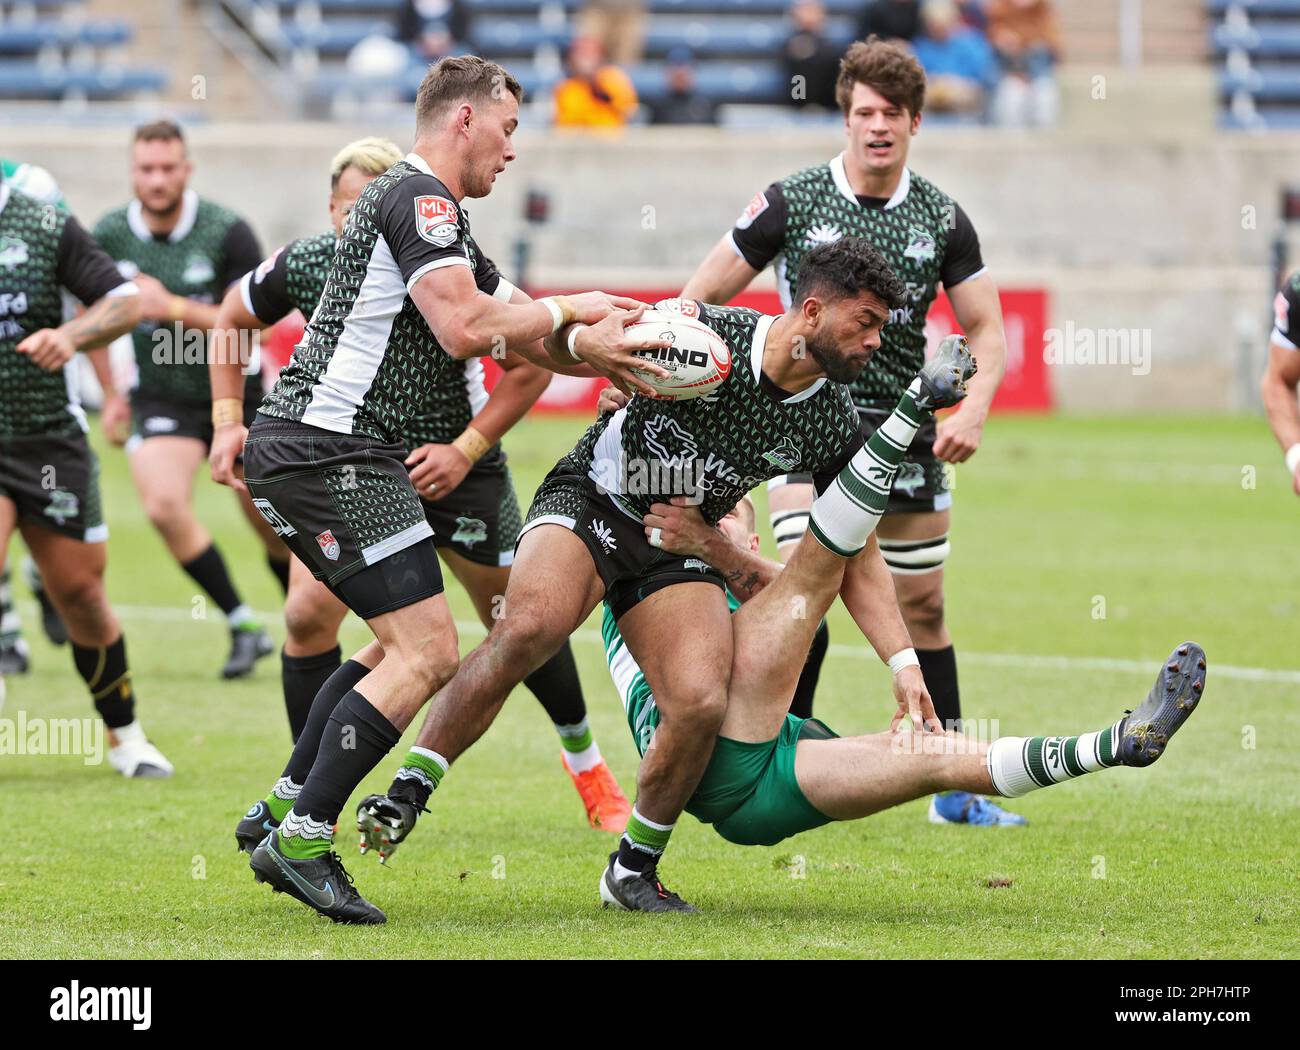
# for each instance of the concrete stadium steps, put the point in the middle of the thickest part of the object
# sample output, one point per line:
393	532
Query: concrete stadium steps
1172	30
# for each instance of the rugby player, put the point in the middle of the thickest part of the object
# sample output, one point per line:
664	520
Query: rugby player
868	191
773	774
324	459
184	252
1278	386
783	407
49	476
471	507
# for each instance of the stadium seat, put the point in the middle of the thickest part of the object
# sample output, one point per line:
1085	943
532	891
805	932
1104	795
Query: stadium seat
28	80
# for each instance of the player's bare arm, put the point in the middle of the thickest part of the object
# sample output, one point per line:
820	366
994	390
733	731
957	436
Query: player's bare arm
232	326
436	470
978	311
104	321
678	527
1278	388
114	408
722	275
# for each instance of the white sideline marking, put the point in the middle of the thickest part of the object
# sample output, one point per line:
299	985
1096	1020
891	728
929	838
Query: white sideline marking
1025	661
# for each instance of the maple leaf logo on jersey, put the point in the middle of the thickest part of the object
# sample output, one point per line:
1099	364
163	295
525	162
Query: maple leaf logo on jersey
435	220
661	432
921	247
823	234
329	546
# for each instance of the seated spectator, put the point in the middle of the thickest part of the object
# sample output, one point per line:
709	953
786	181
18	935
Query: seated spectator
811	61
619	25
890	20
959	64
595	94
683	104
433	29
1027	41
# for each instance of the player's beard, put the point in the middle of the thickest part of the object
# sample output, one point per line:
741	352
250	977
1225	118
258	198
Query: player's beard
168	210
838	368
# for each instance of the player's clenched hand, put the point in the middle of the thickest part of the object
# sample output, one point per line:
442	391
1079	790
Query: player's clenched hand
49	349
958	436
436	470
155	299
115	418
914	702
679	528
227	446
609	351
611	400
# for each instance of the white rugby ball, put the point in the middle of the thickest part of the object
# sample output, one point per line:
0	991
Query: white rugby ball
698	362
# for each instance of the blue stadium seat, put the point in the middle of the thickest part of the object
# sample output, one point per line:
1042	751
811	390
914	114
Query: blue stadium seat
29	81
17	39
1219	8
1265	85
336	36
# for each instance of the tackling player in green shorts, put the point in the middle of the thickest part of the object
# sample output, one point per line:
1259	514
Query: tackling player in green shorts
773	775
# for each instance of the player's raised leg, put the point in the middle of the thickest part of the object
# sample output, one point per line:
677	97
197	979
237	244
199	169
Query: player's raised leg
852	778
552	589
789	502
73	572
163	468
559	690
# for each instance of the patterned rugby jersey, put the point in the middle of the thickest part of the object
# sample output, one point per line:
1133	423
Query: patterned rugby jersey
207	251
42	249
922	232
1286	314
368	363
294	278
721	445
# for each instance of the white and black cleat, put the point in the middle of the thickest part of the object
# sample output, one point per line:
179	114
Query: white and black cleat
943	378
384	822
134	756
639	892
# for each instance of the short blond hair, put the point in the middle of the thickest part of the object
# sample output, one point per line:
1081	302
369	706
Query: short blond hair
370	156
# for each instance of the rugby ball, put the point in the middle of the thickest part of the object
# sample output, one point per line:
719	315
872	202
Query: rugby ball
698	361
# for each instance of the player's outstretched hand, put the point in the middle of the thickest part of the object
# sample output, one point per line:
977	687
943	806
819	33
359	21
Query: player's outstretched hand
115	418
228	446
610	401
594	307
679	528
610	351
49	349
914	702
436	470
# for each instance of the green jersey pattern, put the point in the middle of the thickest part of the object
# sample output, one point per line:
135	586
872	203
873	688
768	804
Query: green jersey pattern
718	447
193	265
912	235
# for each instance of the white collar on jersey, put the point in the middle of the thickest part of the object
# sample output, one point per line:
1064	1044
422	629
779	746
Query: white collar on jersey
416	161
4	195
189	212
841	180
756	360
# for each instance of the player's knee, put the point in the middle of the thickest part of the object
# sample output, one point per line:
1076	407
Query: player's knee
308	624
924	609
165	511
526	641
699	708
433	664
80	599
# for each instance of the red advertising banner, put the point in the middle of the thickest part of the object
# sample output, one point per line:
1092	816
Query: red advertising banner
1025	388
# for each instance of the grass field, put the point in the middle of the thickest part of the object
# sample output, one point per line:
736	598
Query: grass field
1056	521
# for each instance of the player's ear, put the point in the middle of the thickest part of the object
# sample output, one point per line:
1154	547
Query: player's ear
754	543
916	123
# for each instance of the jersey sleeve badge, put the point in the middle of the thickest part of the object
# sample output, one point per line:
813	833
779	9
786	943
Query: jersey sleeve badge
436	220
752	211
266	266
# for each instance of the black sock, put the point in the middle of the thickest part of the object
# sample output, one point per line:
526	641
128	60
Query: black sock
802	704
280	569
108	678
327	698
302	678
556	685
939	668
356	739
208	570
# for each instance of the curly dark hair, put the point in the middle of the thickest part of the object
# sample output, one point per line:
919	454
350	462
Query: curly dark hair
886	67
848	267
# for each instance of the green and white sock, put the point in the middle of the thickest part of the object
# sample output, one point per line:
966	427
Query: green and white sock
643	843
1018	765
303	838
282	797
242	618
421	773
846	514
581	752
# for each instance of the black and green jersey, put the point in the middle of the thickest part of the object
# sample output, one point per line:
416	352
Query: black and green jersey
368	363
42	250
718	447
1286	313
294	278
921	231
208	250
32	180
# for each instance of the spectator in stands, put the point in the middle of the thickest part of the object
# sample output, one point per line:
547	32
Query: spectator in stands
433	29
619	25
683	104
812	62
960	68
596	94
1027	39
890	20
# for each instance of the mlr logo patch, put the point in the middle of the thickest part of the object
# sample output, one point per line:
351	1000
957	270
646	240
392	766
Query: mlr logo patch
435	220
329	546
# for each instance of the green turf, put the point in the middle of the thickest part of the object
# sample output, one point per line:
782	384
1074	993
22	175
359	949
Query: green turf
1199	853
